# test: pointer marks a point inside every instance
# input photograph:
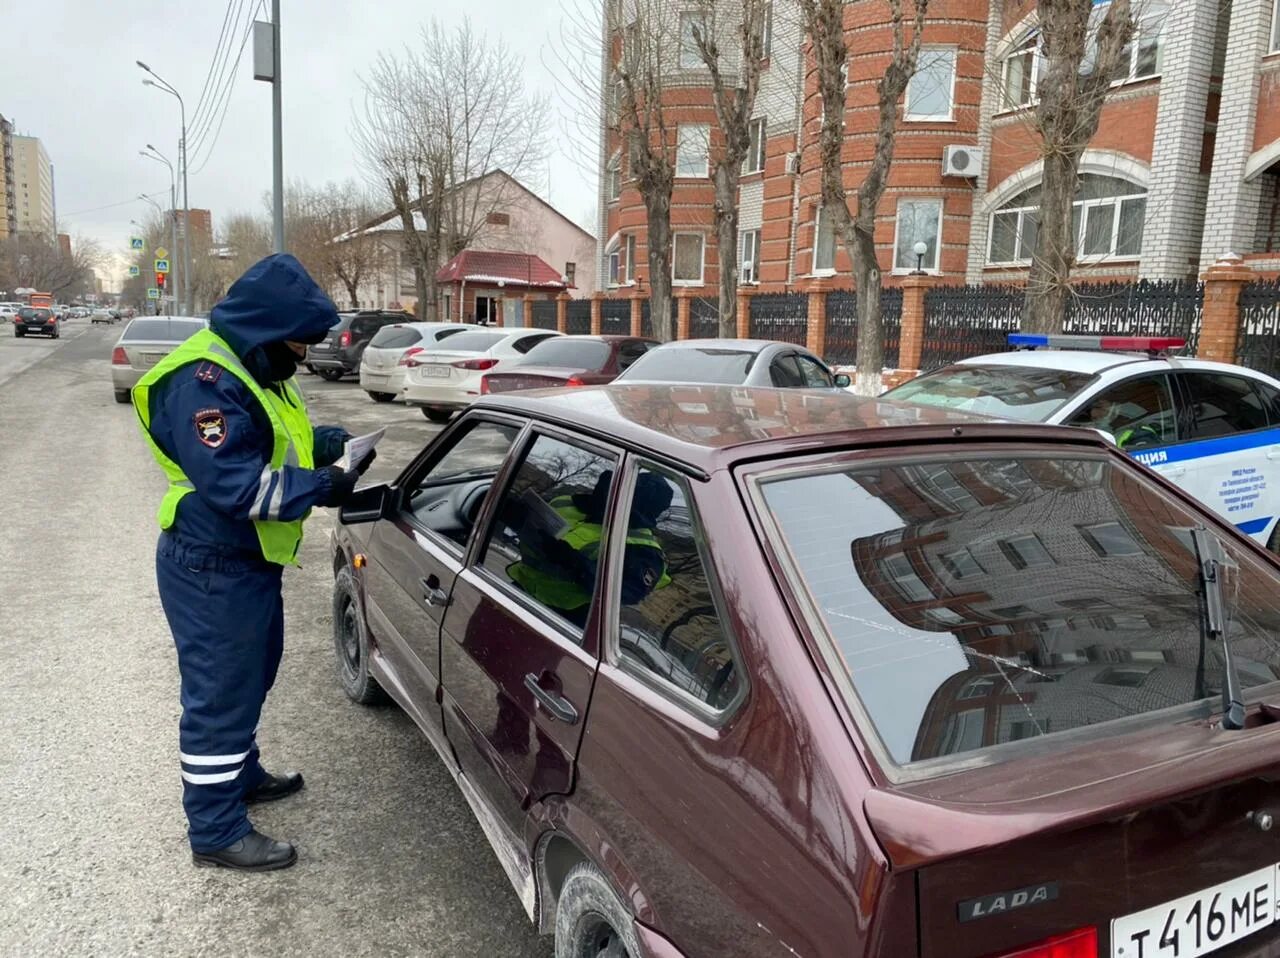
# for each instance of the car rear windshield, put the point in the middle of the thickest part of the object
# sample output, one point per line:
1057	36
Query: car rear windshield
474	342
686	365
1021	393
976	603
568	352
28	313
163	330
396	337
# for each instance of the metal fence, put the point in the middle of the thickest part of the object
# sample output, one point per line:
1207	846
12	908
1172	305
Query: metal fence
615	317
965	321
543	314
704	317
842	327
780	316
578	318
1259	343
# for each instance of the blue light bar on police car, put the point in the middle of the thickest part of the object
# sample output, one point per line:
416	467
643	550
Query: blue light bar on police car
1143	344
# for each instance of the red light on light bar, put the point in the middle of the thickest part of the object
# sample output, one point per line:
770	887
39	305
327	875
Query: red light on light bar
1143	343
1081	943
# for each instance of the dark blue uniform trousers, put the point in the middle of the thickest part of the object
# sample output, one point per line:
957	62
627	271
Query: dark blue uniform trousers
227	619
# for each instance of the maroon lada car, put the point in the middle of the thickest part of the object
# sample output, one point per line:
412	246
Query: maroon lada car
569	361
733	672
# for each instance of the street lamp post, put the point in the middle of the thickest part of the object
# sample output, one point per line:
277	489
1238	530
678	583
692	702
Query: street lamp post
161	84
159	157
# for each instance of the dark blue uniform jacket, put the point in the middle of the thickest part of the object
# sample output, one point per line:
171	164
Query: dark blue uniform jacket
208	421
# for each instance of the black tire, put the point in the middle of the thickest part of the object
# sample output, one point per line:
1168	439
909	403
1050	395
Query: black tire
19	333
311	369
122	395
351	643
381	397
591	922
56	334
437	415
330	375
1274	542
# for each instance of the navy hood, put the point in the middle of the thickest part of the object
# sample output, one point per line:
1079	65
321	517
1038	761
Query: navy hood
274	301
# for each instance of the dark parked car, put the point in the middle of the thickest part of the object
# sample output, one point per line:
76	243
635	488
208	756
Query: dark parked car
339	355
737	362
569	361
36	319
759	672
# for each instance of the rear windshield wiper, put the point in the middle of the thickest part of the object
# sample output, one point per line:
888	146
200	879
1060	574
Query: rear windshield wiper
1212	562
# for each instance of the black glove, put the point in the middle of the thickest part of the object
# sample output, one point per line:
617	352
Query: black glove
368	461
341	485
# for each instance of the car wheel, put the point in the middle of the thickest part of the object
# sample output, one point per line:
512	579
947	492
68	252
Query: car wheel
311	369
1274	542
19	333
437	415
330	375
56	334
590	920
122	395
381	397
351	643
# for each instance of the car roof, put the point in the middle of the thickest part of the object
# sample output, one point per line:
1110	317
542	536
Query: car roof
706	428
741	345
1095	363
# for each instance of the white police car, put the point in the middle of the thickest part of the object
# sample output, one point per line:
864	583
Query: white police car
1211	428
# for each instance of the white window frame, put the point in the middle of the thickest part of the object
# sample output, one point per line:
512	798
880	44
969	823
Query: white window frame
1083	206
766	34
702	130
950	115
936	268
615	264
614	172
754	163
749	277
1275	27
1028	45
702	260
815	269
629	244
688	55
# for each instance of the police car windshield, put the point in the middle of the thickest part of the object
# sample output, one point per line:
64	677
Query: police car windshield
977	604
1020	393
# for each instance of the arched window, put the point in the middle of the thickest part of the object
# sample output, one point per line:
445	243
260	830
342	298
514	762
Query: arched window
1107	221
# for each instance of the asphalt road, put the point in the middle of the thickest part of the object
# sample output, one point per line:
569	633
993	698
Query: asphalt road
94	858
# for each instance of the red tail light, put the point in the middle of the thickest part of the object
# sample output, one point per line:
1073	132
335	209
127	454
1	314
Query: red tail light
345	339
474	364
1081	943
575	381
484	385
119	357
407	358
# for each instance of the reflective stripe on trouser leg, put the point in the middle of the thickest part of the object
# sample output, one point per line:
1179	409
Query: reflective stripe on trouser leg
226	621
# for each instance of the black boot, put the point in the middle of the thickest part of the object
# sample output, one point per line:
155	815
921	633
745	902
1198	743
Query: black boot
253	853
275	787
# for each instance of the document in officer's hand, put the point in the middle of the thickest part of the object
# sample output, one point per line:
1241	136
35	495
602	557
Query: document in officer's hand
357	449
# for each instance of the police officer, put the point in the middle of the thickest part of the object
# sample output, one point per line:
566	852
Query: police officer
226	422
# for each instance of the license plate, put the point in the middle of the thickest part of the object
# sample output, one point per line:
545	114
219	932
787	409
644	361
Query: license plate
437	372
319	349
1199	923
152	358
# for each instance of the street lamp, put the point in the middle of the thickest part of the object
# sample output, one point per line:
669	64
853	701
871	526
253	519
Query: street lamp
920	249
159	157
157	81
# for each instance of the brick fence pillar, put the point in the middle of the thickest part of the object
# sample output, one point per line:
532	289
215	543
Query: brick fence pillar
562	312
744	313
911	342
684	310
637	312
816	334
1220	321
528	310
597	315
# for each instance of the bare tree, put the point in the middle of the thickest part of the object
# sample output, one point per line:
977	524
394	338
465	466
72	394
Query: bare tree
1081	55
437	119
824	21
734	86
33	260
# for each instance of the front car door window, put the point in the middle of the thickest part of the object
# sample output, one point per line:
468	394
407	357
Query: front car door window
1138	413
670	629
785	374
815	375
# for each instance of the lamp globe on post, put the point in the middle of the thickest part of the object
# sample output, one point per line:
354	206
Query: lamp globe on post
920	249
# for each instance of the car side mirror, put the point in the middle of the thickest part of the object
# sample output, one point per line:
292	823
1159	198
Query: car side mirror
366	505
843	381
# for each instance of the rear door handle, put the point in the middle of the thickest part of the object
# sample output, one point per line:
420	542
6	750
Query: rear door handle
557	706
432	594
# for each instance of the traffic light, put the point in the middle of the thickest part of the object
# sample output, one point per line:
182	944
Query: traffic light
160	281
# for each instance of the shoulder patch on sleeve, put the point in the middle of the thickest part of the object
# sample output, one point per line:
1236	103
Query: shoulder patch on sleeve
211	427
208	372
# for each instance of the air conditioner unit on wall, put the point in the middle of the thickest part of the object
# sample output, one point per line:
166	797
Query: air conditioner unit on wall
961	161
793	163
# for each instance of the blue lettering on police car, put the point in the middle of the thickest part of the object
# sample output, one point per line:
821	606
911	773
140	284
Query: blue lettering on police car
1152	458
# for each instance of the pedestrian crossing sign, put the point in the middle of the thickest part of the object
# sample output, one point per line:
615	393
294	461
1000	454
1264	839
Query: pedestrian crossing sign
153	293
162	266
135	242
134	271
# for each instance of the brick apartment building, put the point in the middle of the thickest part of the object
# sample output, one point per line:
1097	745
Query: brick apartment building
1185	166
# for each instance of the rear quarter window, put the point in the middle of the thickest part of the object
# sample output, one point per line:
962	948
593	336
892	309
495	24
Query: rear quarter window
396	337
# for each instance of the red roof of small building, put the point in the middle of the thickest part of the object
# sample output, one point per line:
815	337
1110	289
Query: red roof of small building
514	269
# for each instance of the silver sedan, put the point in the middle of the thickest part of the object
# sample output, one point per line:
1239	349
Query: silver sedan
144	342
734	362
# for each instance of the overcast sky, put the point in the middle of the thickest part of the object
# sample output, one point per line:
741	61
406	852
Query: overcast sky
86	101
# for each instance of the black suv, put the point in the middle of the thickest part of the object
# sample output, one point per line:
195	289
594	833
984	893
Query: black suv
339	355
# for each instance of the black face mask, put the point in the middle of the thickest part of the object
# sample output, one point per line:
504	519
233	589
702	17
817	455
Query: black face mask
282	362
